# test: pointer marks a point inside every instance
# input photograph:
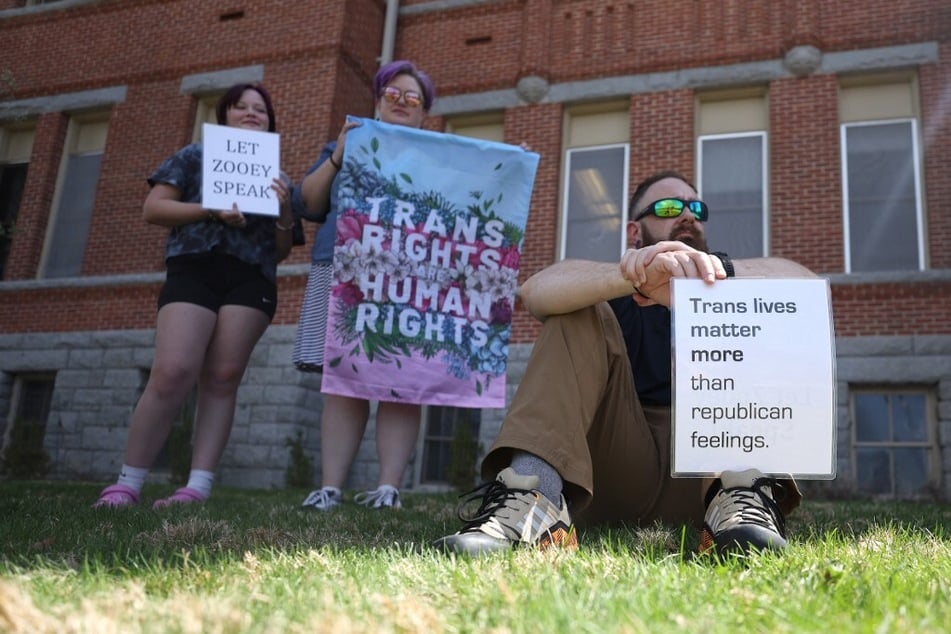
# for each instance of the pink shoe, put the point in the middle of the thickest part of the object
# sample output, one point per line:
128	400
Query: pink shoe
183	496
116	496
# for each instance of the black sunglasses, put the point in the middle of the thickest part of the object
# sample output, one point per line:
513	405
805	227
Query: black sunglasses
673	207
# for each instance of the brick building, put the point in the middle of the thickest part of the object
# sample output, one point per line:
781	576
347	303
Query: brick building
818	130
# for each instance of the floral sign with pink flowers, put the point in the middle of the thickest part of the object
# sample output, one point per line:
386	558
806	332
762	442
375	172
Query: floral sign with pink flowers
426	260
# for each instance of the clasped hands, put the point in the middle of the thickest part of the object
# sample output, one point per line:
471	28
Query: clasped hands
649	269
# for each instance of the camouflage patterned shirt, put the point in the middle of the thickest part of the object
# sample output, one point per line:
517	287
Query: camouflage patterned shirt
253	243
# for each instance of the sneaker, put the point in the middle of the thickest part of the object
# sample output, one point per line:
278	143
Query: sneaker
513	513
383	497
742	514
323	499
116	496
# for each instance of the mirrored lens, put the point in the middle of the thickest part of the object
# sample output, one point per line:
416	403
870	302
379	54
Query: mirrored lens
392	94
669	208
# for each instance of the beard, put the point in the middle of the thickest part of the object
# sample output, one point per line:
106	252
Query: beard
686	233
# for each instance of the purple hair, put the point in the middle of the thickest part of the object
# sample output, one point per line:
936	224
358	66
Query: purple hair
404	67
233	96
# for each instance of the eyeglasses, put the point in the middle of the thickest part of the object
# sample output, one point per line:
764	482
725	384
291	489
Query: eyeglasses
673	207
412	98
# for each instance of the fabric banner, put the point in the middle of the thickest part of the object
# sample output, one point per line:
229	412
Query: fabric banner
428	244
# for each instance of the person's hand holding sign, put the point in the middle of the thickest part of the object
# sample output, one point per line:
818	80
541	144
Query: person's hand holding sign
649	269
232	217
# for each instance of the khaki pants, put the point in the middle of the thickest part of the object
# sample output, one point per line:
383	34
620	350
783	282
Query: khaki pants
577	409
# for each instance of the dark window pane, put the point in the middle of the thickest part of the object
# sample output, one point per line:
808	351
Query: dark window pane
911	471
36	395
882	215
873	474
733	184
65	254
436	465
32	409
908	418
441	426
12	181
871	418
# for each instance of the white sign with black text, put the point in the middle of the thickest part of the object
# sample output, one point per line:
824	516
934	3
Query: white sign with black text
754	377
238	167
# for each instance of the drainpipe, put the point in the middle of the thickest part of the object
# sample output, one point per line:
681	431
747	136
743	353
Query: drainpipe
389	31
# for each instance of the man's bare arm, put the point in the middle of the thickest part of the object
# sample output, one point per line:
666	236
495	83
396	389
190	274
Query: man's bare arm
571	285
770	267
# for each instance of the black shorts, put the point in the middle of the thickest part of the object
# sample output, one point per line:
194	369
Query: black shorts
216	279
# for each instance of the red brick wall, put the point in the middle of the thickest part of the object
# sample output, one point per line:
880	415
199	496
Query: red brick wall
935	89
539	126
919	308
805	173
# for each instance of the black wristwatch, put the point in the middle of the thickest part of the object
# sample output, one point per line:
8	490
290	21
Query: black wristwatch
727	263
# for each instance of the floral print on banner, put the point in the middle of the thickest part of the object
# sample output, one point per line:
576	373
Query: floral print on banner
426	263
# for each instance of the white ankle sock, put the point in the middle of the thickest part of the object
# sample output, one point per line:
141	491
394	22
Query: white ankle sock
201	481
132	477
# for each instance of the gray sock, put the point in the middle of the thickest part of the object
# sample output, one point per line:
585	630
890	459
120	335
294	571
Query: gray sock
549	482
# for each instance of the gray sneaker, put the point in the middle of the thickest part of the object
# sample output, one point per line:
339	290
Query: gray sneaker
512	513
383	497
742	514
323	499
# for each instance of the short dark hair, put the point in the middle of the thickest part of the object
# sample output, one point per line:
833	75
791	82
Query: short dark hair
233	96
404	67
634	206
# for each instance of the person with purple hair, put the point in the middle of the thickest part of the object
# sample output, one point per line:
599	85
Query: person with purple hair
218	298
404	94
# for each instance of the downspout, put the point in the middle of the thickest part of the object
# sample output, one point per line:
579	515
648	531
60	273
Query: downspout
389	31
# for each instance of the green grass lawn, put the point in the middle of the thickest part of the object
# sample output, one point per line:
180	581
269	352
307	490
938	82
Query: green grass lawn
253	561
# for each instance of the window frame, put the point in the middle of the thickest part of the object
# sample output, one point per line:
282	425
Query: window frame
930	444
919	202
16	403
71	149
425	440
566	188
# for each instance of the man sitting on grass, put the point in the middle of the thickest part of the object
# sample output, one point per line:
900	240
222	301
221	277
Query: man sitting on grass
588	433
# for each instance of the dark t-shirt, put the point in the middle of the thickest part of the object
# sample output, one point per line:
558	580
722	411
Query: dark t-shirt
647	336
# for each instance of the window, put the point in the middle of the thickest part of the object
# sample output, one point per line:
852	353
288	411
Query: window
486	127
450	446
25	429
732	172
15	149
883	225
75	197
883	219
594	199
732	182
893	442
205	113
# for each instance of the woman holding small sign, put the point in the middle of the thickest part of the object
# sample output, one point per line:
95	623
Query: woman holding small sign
219	296
404	96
